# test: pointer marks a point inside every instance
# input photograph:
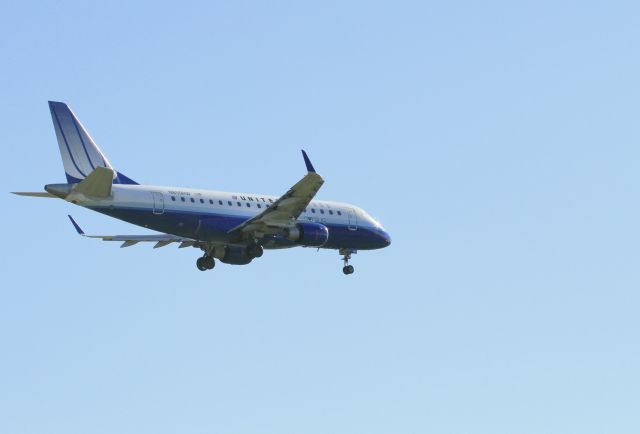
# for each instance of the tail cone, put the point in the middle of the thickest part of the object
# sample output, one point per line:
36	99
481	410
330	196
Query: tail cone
59	190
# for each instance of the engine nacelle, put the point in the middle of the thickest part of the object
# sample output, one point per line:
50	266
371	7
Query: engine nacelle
233	255
308	234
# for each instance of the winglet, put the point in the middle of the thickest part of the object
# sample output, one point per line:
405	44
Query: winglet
308	162
78	229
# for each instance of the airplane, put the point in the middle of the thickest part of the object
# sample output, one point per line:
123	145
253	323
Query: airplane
234	228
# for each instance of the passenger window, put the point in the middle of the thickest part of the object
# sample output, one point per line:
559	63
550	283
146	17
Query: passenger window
321	211
313	210
339	213
259	206
193	200
220	202
201	200
330	212
182	198
229	202
239	204
210	202
248	205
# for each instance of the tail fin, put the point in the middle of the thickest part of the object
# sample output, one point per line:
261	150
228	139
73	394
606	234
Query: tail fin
80	154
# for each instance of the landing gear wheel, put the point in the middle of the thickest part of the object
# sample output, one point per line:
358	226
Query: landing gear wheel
200	263
205	263
348	269
209	262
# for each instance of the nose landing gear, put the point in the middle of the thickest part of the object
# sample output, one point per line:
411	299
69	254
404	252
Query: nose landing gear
348	269
346	255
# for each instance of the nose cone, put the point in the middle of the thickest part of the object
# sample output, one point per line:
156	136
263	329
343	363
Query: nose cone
385	238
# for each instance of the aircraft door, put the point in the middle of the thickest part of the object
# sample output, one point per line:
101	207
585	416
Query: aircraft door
158	203
353	219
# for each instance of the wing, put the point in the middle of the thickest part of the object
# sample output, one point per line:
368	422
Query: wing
287	208
161	240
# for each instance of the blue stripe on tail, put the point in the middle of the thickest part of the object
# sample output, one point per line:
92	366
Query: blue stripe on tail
77	148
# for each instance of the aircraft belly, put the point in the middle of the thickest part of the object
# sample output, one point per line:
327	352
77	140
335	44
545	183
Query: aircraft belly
207	227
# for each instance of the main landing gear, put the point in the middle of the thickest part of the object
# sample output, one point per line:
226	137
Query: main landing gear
205	263
346	255
255	250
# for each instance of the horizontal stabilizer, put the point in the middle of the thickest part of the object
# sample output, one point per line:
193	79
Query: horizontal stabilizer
97	184
33	194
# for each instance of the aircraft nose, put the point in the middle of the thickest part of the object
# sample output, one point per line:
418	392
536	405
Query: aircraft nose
386	238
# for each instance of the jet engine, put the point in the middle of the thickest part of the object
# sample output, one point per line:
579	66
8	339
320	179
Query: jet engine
308	234
234	255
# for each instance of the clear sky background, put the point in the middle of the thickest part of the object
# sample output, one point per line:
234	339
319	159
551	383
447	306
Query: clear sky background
498	143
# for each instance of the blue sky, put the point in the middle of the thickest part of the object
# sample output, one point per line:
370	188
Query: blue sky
496	141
